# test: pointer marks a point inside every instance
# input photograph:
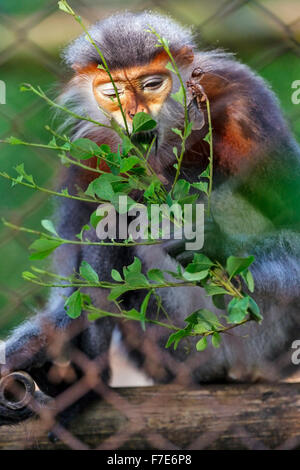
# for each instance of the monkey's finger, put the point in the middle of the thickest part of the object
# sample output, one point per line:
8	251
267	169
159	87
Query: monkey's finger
196	116
185	258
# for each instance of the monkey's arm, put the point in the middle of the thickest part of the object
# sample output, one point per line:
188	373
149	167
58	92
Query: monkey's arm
255	202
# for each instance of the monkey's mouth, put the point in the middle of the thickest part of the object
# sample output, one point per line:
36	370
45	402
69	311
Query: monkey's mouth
146	138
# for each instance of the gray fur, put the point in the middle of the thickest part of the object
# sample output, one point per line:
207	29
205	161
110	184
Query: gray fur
123	40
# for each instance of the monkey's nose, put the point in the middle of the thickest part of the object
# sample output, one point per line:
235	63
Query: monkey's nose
131	114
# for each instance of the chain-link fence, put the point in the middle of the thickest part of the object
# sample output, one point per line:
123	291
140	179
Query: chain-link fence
264	34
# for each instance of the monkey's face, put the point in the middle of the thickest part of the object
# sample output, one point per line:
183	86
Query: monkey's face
141	93
140	89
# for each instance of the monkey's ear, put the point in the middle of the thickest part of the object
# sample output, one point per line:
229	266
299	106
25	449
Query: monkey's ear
184	56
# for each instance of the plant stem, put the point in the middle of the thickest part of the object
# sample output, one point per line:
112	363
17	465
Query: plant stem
48	191
211	156
75	242
39	92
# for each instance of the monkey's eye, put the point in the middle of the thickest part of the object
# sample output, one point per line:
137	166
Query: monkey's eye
153	83
109	91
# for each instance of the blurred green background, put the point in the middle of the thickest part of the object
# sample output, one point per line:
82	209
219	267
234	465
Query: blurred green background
263	33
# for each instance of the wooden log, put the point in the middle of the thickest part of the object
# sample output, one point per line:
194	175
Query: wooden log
260	416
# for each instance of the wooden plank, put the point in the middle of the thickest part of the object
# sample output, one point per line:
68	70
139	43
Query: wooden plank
212	417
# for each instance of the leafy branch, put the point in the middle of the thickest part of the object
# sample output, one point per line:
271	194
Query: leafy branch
129	170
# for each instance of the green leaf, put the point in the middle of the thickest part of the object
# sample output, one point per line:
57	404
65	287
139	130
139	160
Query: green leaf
87	272
178	132
181	189
202	260
202	344
63	6
170	67
201	186
156	275
65	192
196	271
254	310
116	275
73	305
202	327
95	219
144	307
134	314
176	337
175	151
142	122
85	300
103	189
248	278
20	169
235	265
128	163
134	279
83	149
48	225
237	309
43	248
189	129
84	228
93	316
216	340
28	276
127	145
205	173
117	291
219	301
196	275
207	138
178	96
205	318
212	289
13	140
135	267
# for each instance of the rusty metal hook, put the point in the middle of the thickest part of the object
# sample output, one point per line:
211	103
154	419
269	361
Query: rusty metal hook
18	384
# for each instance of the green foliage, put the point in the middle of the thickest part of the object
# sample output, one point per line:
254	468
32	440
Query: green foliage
129	170
43	248
73	304
88	273
142	122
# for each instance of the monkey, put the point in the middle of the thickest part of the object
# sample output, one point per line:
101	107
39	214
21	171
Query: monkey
256	189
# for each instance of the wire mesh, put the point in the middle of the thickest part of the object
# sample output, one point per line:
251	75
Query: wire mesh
266	34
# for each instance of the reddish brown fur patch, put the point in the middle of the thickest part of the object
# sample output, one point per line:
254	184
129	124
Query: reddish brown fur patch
130	73
234	148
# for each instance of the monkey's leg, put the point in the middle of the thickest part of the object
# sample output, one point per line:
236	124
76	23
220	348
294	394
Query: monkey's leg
28	349
31	349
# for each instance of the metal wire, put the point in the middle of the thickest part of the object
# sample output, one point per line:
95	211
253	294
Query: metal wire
287	42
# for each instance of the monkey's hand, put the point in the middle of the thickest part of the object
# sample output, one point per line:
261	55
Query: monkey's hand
213	248
195	88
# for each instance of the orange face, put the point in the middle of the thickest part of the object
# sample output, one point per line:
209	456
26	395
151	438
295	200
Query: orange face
140	89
